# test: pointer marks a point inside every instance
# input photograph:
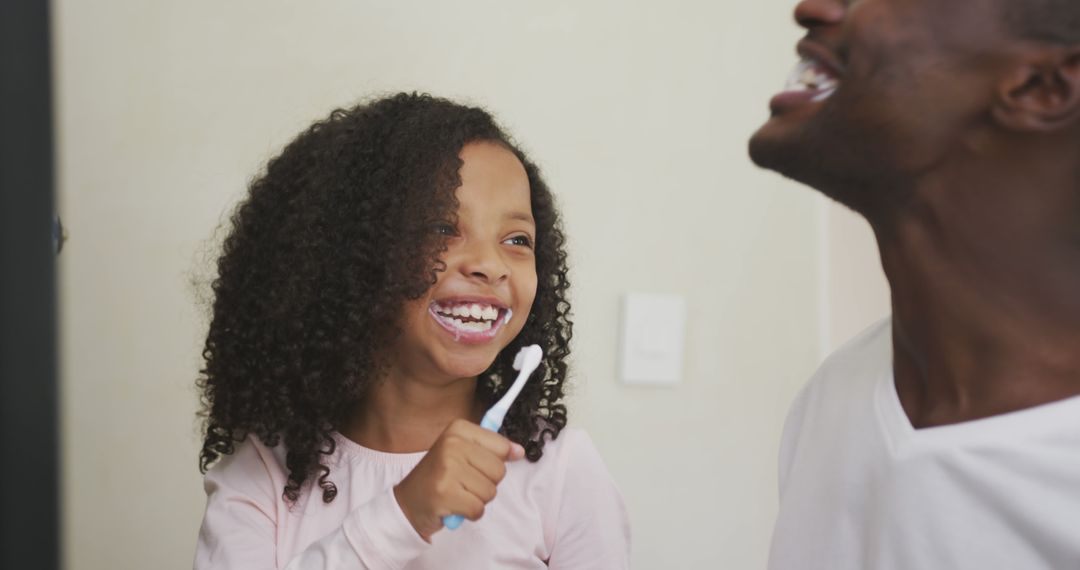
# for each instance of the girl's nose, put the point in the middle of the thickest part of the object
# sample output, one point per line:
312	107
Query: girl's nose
812	14
483	261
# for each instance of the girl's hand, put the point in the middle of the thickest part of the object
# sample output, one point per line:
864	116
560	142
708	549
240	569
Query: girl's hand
457	476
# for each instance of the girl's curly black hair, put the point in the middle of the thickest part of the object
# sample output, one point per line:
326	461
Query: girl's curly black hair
330	242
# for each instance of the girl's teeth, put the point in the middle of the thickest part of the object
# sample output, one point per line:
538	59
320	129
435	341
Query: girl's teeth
474	311
471	326
473	317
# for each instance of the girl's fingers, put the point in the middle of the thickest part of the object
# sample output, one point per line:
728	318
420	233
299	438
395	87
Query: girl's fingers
478	485
516	452
464	500
493	442
490	466
472	508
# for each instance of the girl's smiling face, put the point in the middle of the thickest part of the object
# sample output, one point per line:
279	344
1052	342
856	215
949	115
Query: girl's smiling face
481	300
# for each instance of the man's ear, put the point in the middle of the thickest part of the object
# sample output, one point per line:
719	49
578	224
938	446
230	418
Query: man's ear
1042	93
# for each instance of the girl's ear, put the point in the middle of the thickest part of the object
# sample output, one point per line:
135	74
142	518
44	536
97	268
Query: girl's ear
1042	93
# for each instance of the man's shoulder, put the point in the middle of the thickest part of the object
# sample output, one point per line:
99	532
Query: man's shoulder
858	361
849	374
837	401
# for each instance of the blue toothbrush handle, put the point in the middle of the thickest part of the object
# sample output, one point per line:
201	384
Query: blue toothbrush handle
452	521
491	424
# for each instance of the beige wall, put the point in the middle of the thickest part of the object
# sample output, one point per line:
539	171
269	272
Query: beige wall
855	291
639	113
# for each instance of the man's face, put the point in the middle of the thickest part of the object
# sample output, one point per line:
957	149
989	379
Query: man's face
886	90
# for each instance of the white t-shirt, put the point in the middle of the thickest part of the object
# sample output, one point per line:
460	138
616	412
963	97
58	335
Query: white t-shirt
861	489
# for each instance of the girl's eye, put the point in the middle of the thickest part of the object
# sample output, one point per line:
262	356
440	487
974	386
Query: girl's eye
445	229
522	240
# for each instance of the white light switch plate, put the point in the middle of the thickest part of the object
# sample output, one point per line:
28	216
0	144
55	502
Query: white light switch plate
653	333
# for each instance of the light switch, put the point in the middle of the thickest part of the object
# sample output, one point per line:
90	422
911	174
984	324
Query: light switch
653	332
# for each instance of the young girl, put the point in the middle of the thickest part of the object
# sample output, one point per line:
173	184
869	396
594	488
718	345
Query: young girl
376	286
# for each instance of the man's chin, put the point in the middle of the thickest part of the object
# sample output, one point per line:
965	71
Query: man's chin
771	151
804	162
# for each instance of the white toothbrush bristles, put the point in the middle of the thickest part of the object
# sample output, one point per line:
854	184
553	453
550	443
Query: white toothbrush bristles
526	361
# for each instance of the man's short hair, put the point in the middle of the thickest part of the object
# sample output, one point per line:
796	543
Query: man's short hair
1055	21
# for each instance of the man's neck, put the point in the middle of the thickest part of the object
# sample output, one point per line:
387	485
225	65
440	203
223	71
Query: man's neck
985	282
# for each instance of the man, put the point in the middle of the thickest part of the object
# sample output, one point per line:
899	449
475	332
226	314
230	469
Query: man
947	437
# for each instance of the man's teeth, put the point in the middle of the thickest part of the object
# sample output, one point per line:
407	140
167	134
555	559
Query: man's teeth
808	76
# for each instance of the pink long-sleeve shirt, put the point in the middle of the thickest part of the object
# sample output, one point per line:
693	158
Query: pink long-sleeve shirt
562	512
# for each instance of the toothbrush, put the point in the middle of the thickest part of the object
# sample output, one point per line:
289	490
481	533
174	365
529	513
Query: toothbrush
526	361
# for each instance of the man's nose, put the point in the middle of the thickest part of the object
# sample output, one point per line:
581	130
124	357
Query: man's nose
811	14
